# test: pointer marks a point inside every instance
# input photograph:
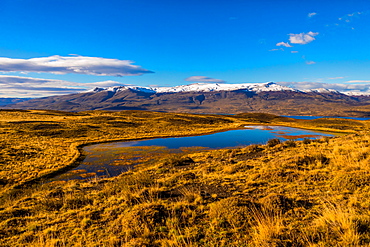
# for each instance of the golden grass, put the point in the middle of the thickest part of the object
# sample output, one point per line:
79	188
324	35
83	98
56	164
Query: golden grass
37	143
295	193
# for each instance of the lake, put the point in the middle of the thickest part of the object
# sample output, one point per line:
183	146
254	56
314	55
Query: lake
111	159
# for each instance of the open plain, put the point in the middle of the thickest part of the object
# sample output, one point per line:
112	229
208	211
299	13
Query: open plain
293	193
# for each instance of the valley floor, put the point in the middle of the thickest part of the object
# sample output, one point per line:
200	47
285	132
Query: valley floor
296	193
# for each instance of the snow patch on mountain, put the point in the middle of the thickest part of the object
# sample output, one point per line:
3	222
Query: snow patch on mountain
356	93
108	89
214	87
321	90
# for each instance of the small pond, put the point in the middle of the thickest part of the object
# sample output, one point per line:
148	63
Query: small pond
111	159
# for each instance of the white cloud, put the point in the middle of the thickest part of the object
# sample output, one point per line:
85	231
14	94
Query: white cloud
302	38
348	20
349	17
73	64
310	62
335	78
283	44
312	14
280	49
18	86
294	51
359	81
203	79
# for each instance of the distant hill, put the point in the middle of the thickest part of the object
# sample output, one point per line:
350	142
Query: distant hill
8	101
209	98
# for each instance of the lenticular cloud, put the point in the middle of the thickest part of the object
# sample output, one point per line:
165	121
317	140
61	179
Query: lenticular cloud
203	79
73	64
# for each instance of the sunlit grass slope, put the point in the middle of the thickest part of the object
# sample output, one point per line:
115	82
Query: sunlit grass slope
308	193
36	143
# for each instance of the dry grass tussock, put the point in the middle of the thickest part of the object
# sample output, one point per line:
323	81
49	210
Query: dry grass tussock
295	193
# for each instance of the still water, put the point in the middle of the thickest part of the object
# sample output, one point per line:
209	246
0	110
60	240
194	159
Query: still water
111	159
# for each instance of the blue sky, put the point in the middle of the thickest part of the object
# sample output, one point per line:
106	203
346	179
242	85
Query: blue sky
62	46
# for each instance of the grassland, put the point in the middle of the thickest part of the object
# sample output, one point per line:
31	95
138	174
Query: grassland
296	193
37	143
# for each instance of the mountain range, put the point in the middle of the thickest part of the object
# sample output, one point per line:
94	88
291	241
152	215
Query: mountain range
209	98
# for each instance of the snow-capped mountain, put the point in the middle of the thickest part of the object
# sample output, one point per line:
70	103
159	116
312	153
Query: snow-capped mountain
216	87
208	98
201	87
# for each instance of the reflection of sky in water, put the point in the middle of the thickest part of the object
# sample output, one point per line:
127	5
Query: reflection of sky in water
101	156
227	139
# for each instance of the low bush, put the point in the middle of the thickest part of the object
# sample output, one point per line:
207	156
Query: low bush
273	142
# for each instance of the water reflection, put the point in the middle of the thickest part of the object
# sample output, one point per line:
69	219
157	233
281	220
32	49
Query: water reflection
111	159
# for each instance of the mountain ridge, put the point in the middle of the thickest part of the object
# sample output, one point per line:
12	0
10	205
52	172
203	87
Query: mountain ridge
201	87
209	98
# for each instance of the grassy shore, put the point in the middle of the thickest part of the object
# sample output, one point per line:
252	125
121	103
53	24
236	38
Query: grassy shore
296	193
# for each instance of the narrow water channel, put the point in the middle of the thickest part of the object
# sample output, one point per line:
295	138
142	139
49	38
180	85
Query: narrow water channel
111	159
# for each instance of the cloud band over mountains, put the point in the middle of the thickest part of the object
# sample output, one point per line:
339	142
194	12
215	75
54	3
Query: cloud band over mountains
203	79
29	87
18	86
73	64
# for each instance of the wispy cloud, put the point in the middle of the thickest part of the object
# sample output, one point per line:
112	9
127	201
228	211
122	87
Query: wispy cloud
73	64
283	44
203	79
335	78
280	49
348	20
302	38
311	14
294	51
359	81
18	86
350	17
310	62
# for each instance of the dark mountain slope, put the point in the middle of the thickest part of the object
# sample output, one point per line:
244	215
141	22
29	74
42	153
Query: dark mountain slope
276	102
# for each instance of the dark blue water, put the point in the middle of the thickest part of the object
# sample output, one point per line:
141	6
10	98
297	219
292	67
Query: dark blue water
109	159
316	117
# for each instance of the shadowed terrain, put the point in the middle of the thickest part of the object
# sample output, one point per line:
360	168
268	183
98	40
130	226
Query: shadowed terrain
279	102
